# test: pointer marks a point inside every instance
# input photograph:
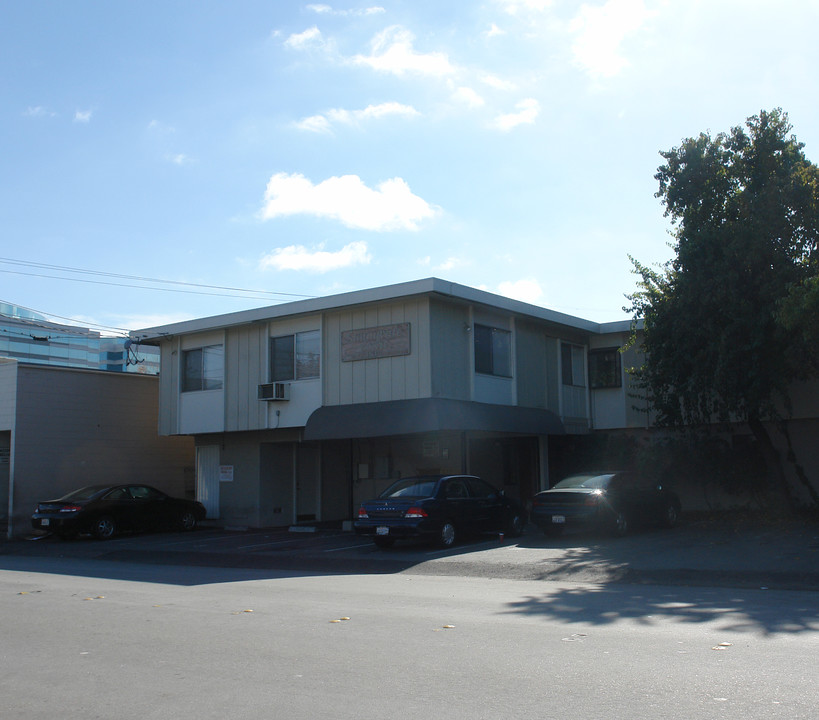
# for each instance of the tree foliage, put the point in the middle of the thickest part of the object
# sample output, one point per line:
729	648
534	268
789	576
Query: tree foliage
733	319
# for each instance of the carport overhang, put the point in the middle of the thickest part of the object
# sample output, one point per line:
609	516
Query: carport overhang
425	415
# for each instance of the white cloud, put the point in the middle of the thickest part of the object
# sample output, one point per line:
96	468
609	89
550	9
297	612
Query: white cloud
513	7
160	127
497	83
494	31
384	109
83	116
393	52
180	159
321	9
323	123
390	206
309	38
314	123
600	32
298	257
38	111
449	264
528	110
523	290
469	97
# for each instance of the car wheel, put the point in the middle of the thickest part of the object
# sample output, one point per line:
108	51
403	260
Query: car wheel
620	525
514	528
187	520
671	516
104	527
383	542
446	536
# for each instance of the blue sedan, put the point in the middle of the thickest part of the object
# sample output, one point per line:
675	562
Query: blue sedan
438	508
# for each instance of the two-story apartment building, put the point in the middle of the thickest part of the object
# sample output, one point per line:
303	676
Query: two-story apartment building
301	410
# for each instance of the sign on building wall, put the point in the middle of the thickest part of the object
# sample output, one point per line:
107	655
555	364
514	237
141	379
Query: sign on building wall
376	342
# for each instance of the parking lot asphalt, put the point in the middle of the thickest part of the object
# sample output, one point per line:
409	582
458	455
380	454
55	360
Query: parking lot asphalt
783	555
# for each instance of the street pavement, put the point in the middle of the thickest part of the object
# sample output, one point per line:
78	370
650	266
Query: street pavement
783	555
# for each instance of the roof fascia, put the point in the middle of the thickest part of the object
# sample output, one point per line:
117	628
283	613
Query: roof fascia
427	286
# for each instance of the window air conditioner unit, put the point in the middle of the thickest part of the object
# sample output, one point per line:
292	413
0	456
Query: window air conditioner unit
274	391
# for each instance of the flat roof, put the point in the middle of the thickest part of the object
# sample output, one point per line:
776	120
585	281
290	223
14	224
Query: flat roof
427	286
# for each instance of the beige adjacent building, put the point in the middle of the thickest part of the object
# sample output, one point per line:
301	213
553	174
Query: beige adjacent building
64	428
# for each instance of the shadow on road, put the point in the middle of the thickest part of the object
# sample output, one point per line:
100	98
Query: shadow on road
651	577
740	611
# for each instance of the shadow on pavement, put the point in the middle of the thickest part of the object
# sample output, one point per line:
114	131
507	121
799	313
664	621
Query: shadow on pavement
740	611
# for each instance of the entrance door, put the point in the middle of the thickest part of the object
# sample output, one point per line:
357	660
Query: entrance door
308	482
511	464
207	478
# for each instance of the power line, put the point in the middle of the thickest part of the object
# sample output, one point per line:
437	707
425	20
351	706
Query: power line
246	293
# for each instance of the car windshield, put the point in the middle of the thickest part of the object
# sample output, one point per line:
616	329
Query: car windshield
412	487
86	493
596	481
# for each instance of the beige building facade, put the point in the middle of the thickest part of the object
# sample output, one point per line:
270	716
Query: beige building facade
299	411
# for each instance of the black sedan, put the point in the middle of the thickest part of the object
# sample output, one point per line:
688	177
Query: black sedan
103	510
609	500
438	508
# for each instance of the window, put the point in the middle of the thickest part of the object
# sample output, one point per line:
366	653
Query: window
295	357
203	368
572	365
493	351
604	368
480	489
142	492
456	490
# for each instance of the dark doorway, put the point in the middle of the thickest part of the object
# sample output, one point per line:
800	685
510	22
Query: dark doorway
510	463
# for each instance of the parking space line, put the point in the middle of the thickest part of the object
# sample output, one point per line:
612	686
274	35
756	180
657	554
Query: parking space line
348	547
280	542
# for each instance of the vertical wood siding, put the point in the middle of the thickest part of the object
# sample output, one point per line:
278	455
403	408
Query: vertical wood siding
379	379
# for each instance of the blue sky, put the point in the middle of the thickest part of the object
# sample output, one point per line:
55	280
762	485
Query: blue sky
304	149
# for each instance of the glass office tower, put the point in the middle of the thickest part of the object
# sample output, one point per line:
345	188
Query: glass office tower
28	336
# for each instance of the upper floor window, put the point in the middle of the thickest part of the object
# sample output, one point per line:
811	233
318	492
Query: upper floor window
203	368
604	368
493	351
295	357
572	365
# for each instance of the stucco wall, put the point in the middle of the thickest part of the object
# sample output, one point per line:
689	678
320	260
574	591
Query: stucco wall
78	427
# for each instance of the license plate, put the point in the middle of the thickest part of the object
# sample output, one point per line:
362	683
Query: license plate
382	530
559	519
44	522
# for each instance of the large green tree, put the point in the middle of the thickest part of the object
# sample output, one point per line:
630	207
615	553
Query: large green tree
732	320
